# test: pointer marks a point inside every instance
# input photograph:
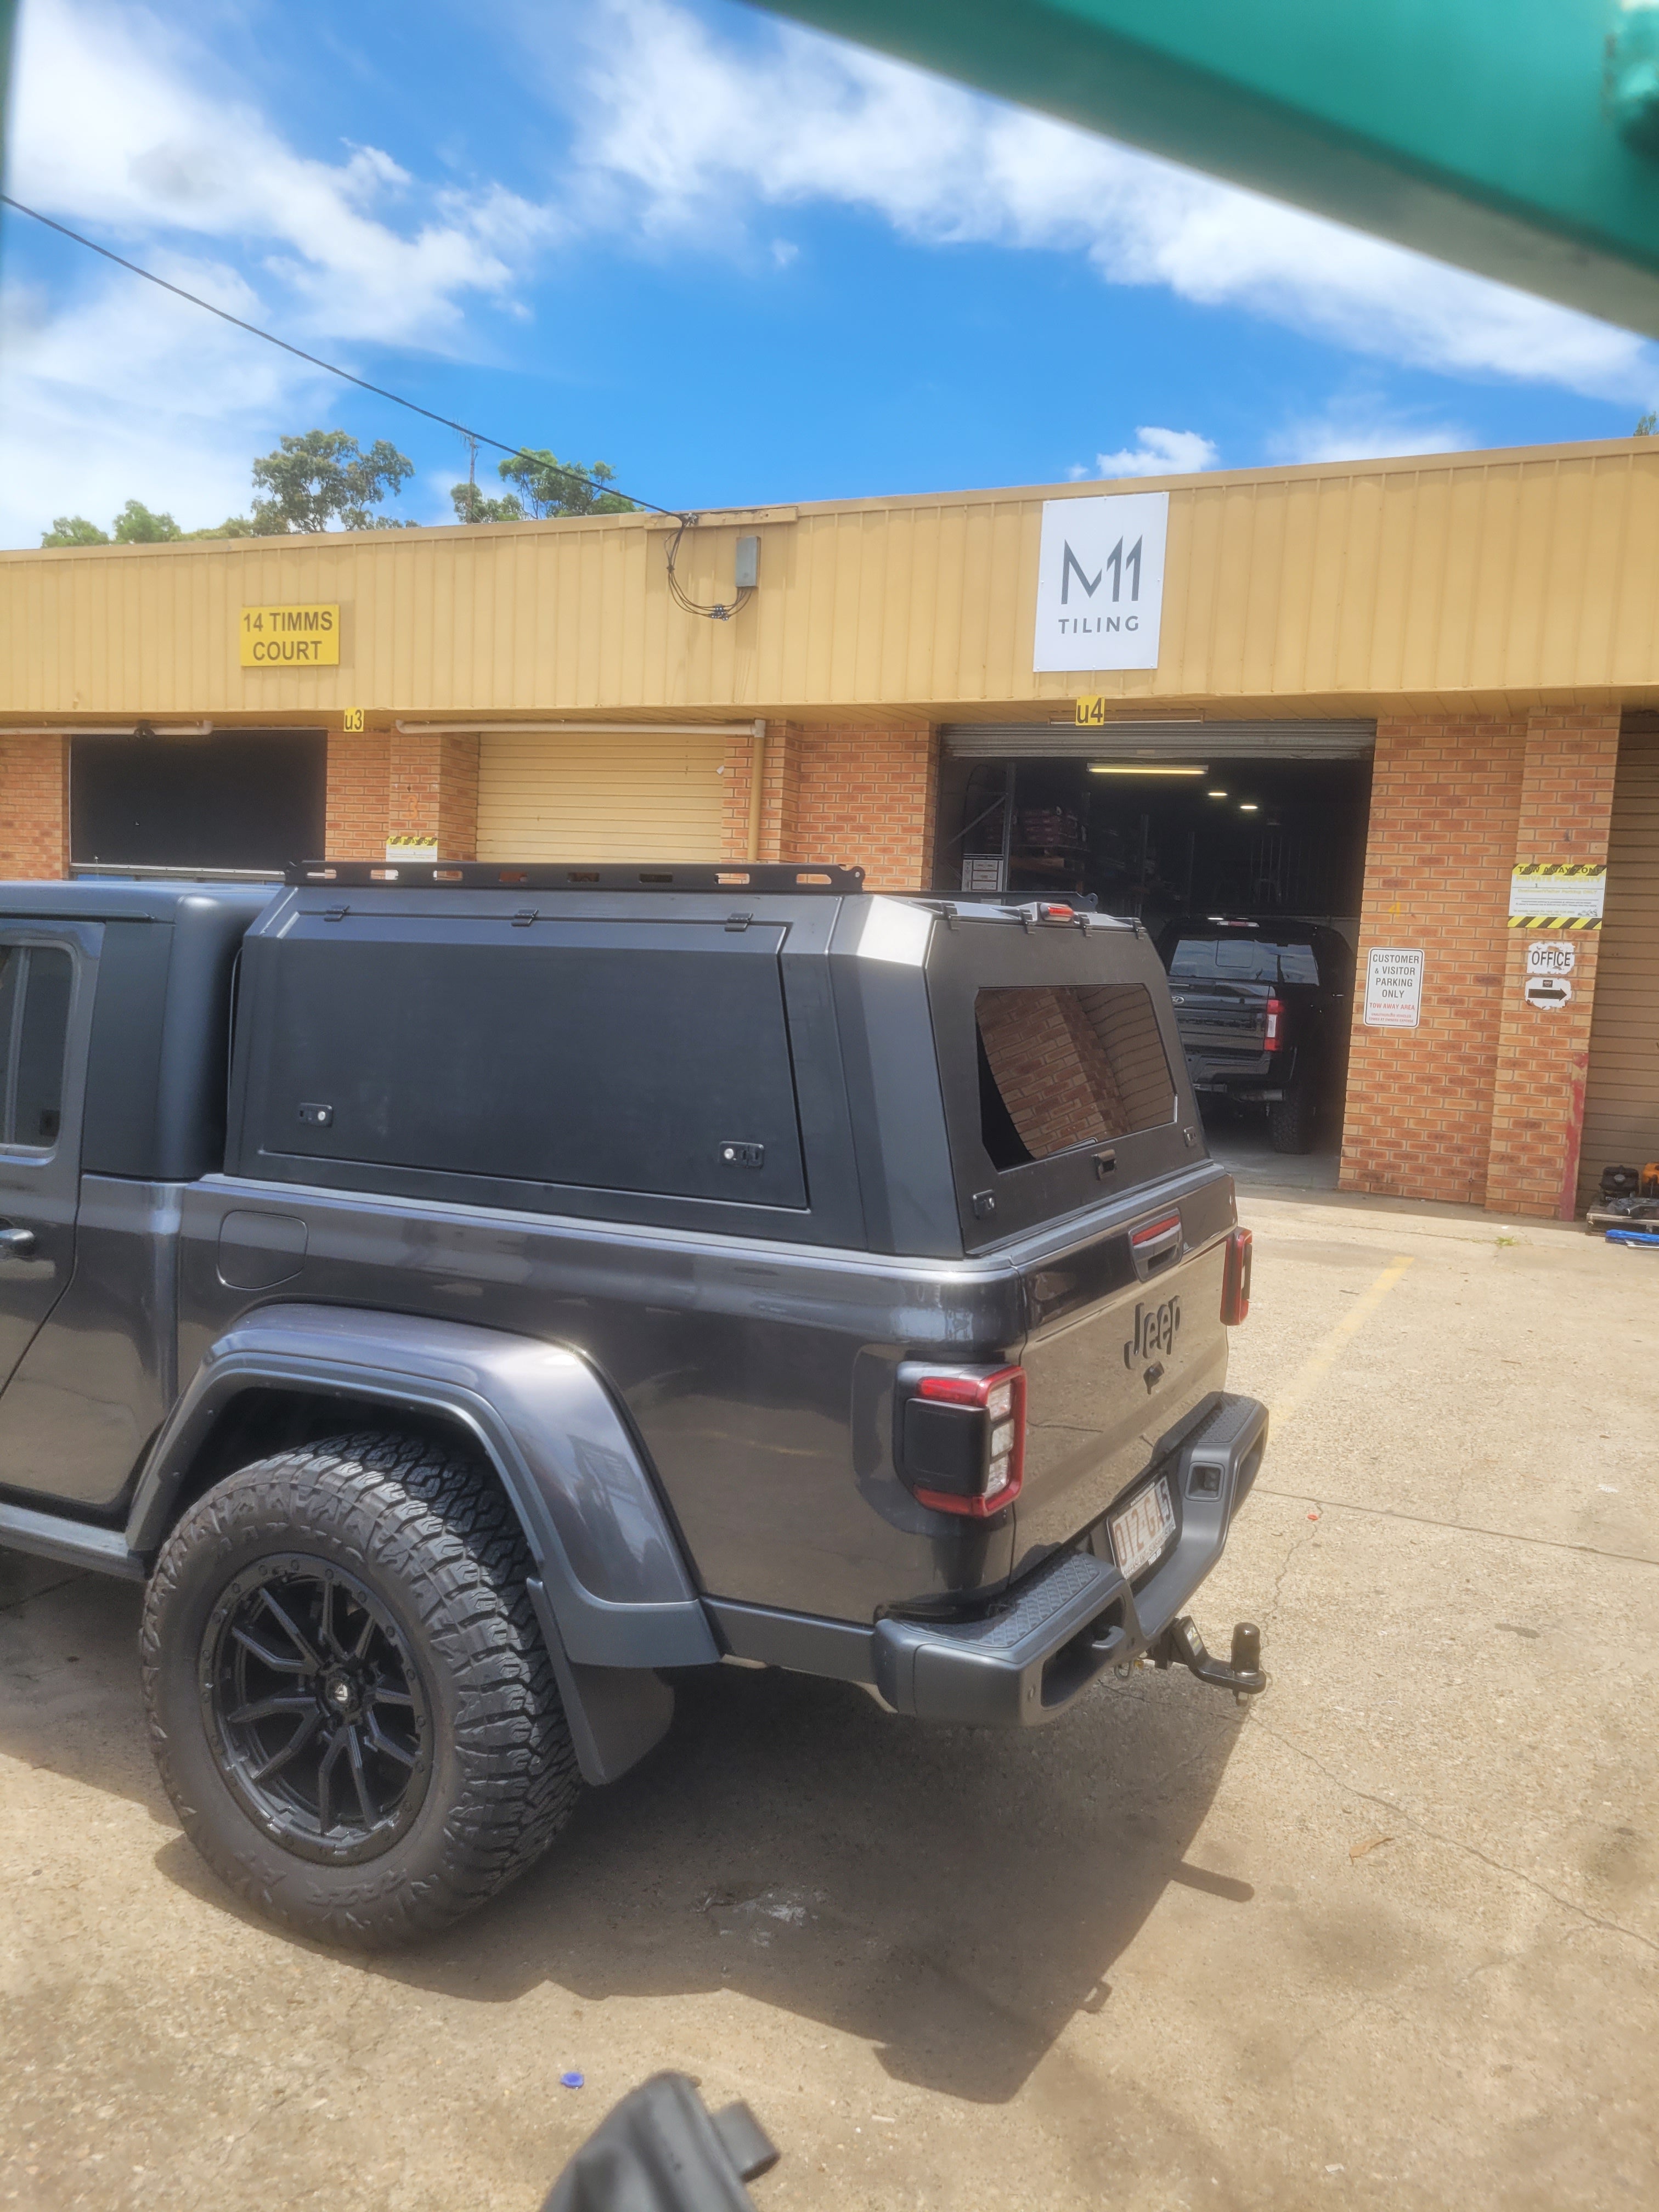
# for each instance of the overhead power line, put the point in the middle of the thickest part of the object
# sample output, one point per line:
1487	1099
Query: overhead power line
571	476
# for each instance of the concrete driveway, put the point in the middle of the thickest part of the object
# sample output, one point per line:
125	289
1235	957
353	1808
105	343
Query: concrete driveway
1391	1939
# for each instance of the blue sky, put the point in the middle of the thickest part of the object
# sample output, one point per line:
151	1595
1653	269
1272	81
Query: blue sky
739	262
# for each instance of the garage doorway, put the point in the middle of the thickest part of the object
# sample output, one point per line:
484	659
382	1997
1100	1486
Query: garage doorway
251	800
1197	835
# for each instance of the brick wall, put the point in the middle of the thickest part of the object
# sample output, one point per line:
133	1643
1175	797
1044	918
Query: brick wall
1481	1104
862	799
855	798
433	790
355	808
34	808
1445	802
1538	1098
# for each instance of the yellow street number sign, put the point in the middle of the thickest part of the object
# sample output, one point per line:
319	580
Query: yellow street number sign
352	720
1090	712
290	637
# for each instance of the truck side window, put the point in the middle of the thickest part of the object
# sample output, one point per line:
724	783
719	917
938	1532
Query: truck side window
1067	1064
34	1005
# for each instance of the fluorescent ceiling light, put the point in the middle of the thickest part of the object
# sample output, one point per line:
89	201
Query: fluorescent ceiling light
1247	806
1215	794
1139	768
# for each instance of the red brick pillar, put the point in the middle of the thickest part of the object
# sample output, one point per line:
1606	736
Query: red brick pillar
358	772
780	793
780	774
1538	1101
433	790
402	783
34	807
1445	800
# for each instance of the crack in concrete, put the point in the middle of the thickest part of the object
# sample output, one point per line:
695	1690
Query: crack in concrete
1270	1610
46	1591
1452	1843
1458	1527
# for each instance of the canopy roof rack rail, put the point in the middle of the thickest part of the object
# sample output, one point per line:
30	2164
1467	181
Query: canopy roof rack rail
598	876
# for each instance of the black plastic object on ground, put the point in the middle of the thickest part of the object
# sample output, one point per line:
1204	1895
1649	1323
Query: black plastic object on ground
662	2150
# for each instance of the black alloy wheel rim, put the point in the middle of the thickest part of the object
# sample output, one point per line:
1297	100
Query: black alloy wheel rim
315	1710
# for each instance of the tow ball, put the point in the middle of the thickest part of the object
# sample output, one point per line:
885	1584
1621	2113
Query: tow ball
1182	1642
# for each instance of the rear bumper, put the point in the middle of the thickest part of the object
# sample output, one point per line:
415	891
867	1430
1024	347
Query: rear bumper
1060	1628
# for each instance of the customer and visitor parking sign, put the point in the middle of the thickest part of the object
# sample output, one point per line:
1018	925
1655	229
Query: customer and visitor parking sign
1394	988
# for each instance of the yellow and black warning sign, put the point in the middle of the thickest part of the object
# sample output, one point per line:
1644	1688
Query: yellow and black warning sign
1558	894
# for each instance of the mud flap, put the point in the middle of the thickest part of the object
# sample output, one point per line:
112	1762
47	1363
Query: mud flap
617	1713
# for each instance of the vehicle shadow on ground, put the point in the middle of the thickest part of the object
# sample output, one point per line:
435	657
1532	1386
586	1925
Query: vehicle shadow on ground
953	1897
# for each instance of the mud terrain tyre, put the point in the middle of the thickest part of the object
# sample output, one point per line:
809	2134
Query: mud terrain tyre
1291	1122
349	1695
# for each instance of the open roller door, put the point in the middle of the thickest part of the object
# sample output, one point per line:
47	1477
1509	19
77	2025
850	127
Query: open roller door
594	795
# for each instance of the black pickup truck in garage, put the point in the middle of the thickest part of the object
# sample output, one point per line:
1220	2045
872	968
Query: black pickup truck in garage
1263	1009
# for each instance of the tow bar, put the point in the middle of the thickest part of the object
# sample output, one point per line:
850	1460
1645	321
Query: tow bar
1243	1676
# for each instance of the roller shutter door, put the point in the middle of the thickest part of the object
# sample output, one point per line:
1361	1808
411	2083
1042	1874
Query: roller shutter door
592	796
1208	742
1621	1097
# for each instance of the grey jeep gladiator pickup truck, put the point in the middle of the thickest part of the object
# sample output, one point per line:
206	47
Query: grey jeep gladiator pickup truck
467	1295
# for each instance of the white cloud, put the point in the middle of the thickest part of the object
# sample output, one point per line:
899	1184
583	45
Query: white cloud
113	389
1159	453
1358	429
157	145
679	130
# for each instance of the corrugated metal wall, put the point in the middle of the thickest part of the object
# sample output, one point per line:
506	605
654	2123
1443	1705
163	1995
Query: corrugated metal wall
1485	581
596	797
1621	1094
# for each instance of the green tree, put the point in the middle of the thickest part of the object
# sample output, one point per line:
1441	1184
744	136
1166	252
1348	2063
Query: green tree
548	486
137	526
73	530
234	525
471	506
1647	428
325	479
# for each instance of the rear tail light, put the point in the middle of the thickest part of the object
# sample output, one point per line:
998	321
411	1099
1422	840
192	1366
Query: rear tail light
961	1438
1236	1278
1275	1017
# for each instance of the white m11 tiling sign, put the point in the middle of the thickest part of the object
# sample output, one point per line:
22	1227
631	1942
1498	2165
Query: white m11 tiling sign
1100	581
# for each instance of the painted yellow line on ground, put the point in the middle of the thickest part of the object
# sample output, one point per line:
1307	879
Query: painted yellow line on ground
1318	1363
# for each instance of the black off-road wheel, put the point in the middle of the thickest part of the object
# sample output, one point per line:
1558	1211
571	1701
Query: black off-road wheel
1290	1121
350	1698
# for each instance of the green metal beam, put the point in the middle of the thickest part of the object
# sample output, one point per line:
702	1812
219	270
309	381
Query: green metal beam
1519	138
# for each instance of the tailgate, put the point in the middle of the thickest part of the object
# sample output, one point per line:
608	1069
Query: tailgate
1216	1020
1120	1353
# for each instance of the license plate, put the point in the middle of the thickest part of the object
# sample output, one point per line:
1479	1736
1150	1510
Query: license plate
1140	1532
